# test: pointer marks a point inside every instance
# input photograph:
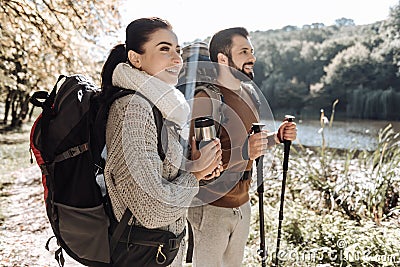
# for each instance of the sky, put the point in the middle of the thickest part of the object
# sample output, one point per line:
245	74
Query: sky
193	20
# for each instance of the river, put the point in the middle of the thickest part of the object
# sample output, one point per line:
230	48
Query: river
349	134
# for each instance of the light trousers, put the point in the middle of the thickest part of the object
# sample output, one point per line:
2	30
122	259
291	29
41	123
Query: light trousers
220	235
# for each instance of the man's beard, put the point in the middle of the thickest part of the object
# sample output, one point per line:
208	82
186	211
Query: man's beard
238	72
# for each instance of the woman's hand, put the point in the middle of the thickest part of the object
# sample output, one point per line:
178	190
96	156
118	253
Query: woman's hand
206	162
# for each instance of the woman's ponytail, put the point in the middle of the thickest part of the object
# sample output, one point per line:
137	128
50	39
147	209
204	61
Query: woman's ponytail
117	55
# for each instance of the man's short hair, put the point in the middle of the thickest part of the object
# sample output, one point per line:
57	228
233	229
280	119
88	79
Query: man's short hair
221	42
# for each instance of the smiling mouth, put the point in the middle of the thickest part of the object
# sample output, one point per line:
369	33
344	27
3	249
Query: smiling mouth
173	70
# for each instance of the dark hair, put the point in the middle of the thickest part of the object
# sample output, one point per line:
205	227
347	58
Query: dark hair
137	34
221	42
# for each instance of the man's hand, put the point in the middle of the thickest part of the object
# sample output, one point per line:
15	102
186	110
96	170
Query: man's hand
257	144
287	131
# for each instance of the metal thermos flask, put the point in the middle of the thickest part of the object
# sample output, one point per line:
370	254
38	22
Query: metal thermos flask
204	131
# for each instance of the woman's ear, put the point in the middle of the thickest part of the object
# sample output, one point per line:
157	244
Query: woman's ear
222	59
135	59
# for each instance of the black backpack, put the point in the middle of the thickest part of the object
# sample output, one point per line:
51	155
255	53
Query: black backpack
67	140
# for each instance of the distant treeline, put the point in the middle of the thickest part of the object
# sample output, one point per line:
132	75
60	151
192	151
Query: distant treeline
302	70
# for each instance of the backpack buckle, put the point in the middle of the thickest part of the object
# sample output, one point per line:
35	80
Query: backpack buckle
74	151
78	150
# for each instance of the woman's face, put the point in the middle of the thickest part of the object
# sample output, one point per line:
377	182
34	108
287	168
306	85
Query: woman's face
162	56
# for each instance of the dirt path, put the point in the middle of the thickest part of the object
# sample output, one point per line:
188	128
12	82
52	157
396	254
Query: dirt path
25	229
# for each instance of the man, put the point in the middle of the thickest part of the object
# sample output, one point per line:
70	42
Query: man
220	214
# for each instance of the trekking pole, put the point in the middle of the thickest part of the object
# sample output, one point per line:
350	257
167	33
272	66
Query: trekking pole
260	190
286	149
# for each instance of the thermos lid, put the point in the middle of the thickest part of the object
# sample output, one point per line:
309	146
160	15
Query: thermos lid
203	122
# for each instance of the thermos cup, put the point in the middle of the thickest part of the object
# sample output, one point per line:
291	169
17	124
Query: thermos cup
204	131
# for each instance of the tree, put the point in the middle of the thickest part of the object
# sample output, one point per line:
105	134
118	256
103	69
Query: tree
351	68
44	38
308	68
289	28
392	33
317	25
344	22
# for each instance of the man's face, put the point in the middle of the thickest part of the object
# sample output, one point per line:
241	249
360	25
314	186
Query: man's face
242	57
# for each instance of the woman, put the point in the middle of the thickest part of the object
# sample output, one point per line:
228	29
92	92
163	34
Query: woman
156	192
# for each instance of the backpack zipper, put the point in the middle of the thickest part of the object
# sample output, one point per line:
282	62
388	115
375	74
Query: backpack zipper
147	243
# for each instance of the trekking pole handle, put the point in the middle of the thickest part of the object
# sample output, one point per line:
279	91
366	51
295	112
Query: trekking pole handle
289	118
286	145
257	127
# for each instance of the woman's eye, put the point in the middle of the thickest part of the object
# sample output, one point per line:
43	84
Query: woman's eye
165	48
179	51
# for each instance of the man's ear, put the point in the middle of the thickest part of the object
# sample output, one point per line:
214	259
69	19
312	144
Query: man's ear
222	59
135	59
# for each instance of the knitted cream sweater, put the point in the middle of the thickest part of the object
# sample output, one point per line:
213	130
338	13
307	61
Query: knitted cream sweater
135	175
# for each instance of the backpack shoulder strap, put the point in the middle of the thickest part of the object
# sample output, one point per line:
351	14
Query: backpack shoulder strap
217	102
161	143
214	93
162	138
253	94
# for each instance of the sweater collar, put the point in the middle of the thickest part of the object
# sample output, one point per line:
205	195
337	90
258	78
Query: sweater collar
169	100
